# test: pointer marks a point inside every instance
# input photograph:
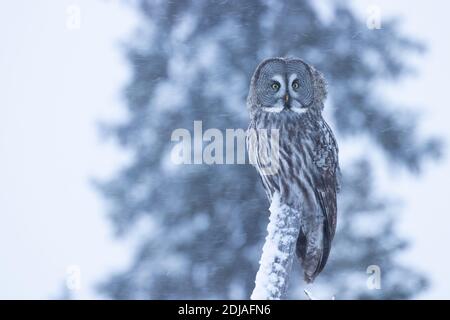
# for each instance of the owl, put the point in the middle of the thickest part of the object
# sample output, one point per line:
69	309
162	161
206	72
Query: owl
287	96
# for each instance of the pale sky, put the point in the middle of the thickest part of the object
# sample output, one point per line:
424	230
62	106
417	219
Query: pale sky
57	83
425	216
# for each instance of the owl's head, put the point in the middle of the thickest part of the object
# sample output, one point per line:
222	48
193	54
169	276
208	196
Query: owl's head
286	85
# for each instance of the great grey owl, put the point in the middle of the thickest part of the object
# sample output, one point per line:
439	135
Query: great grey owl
287	95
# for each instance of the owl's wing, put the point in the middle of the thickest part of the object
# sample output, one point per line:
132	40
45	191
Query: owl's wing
270	180
326	160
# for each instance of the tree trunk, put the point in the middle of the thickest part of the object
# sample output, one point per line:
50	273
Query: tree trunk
278	252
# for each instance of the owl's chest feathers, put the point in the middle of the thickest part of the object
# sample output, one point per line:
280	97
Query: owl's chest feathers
297	135
297	141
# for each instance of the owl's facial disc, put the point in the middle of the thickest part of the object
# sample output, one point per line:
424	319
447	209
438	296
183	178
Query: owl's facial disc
285	95
286	85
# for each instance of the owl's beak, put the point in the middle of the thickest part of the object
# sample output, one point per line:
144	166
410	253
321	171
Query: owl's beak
286	101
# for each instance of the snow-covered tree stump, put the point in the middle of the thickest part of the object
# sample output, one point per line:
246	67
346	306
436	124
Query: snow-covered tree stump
278	252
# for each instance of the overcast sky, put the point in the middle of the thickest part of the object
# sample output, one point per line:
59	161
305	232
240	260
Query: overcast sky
57	82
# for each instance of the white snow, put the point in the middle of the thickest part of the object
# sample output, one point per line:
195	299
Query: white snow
278	252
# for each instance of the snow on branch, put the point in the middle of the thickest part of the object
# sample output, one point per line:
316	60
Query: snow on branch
278	252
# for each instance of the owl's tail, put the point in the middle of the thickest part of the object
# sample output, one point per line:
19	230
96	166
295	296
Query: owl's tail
313	251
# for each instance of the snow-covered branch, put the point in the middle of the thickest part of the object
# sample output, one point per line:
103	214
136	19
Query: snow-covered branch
278	252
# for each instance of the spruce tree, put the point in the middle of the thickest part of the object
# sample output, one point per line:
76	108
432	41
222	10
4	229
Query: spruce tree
192	60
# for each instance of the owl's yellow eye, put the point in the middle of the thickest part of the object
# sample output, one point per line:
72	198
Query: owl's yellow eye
295	85
276	86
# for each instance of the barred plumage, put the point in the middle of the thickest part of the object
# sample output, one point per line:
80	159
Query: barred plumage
286	97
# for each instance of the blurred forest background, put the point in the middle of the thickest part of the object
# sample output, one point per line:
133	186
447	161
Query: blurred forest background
204	225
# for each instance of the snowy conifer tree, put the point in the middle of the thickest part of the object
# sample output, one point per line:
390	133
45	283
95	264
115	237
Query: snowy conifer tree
192	60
